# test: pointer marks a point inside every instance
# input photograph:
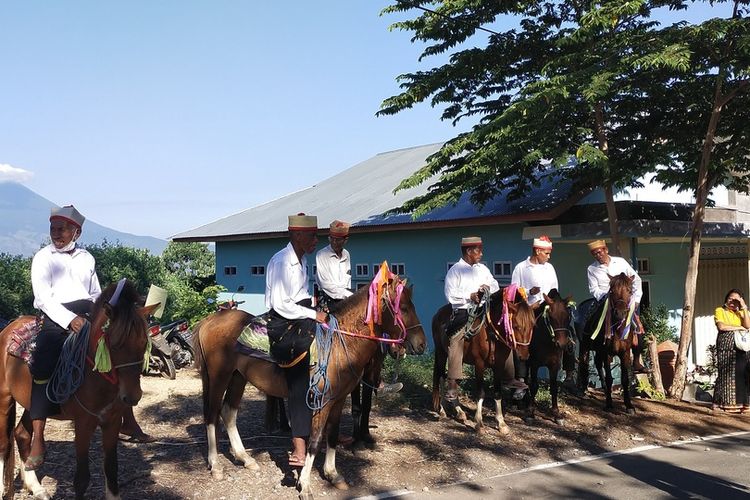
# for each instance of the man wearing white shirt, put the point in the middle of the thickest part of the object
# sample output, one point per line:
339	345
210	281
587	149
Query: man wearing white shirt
334	268
65	285
535	273
291	323
463	285
598	274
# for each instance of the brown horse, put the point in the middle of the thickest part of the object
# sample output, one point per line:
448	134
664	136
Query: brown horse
608	332
552	333
225	372
489	348
99	401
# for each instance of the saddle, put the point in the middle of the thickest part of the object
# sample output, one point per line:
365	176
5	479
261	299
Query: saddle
254	342
22	340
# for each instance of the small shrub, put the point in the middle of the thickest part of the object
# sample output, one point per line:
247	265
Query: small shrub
655	320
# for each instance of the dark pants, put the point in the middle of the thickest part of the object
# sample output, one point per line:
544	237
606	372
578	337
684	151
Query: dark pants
458	320
288	339
49	344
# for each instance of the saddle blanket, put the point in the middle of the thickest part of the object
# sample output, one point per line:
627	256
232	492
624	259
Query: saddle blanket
23	340
254	342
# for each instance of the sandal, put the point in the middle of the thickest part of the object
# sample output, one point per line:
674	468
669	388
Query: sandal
33	462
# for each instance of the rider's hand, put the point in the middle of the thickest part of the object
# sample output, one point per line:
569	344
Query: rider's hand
474	297
534	290
76	324
320	316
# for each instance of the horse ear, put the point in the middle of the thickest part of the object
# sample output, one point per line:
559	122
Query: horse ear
568	299
631	279
107	310
610	277
148	310
547	299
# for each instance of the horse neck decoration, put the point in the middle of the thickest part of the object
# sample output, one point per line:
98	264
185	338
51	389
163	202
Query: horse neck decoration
98	401
512	319
556	318
616	313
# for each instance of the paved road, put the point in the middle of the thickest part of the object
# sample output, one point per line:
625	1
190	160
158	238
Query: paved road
711	469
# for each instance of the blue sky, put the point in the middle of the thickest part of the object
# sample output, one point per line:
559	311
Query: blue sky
157	117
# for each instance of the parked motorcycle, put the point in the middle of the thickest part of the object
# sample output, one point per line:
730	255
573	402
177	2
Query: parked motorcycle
160	360
179	337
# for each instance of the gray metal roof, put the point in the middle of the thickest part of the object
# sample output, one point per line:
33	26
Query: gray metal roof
364	192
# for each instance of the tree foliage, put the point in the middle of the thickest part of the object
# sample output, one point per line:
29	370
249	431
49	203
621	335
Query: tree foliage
16	297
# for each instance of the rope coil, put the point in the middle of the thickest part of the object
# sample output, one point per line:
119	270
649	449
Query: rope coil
69	370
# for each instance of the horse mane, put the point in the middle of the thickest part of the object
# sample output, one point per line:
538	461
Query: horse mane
123	316
351	301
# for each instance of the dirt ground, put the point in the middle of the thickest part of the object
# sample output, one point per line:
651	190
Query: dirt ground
415	450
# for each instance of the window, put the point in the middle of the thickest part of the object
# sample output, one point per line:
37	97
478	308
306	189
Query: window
375	269
644	266
360	270
315	270
257	270
502	270
230	270
448	266
399	269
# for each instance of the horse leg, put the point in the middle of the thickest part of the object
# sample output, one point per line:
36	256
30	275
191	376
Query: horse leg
22	434
479	392
357	415
332	434
7	450
583	369
214	388
229	411
365	418
554	372
626	364
438	372
602	361
110	432
319	421
532	375
497	375
84	429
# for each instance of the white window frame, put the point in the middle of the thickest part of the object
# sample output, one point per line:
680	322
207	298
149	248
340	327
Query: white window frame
502	276
643	265
395	267
357	268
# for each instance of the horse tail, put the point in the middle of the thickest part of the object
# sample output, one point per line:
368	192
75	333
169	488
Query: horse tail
9	458
200	362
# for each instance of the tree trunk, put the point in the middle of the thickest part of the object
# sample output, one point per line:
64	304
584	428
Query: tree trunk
601	135
655	368
691	277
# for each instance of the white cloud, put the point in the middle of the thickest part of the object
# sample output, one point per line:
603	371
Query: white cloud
11	173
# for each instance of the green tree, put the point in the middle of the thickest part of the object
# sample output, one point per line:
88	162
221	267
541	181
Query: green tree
16	296
114	262
600	82
191	262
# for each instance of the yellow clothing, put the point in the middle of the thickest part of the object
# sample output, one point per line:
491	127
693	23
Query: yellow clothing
729	318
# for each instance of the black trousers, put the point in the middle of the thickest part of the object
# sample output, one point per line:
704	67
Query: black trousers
457	321
49	344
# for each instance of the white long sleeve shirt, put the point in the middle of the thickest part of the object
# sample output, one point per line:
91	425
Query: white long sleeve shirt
334	273
463	279
61	277
286	284
529	275
598	276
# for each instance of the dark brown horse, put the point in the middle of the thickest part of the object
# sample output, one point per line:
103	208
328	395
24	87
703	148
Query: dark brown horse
225	372
99	401
552	333
609	332
489	348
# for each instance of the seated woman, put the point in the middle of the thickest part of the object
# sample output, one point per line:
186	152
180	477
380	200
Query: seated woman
732	391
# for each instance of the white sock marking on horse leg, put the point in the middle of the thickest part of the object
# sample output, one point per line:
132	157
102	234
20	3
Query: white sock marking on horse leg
212	451
229	416
31	483
501	425
304	476
2	476
478	414
329	467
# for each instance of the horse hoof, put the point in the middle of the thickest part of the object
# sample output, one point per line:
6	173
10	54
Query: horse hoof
478	427
559	421
630	411
504	430
529	419
42	495
306	496
217	474
251	465
340	483
441	413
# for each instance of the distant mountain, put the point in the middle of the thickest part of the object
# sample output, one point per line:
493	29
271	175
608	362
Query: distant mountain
24	225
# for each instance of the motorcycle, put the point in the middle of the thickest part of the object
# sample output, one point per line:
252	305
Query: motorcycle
179	337
160	360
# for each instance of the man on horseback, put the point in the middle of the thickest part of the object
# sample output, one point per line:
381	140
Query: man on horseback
538	277
599	273
465	284
292	322
65	286
334	268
